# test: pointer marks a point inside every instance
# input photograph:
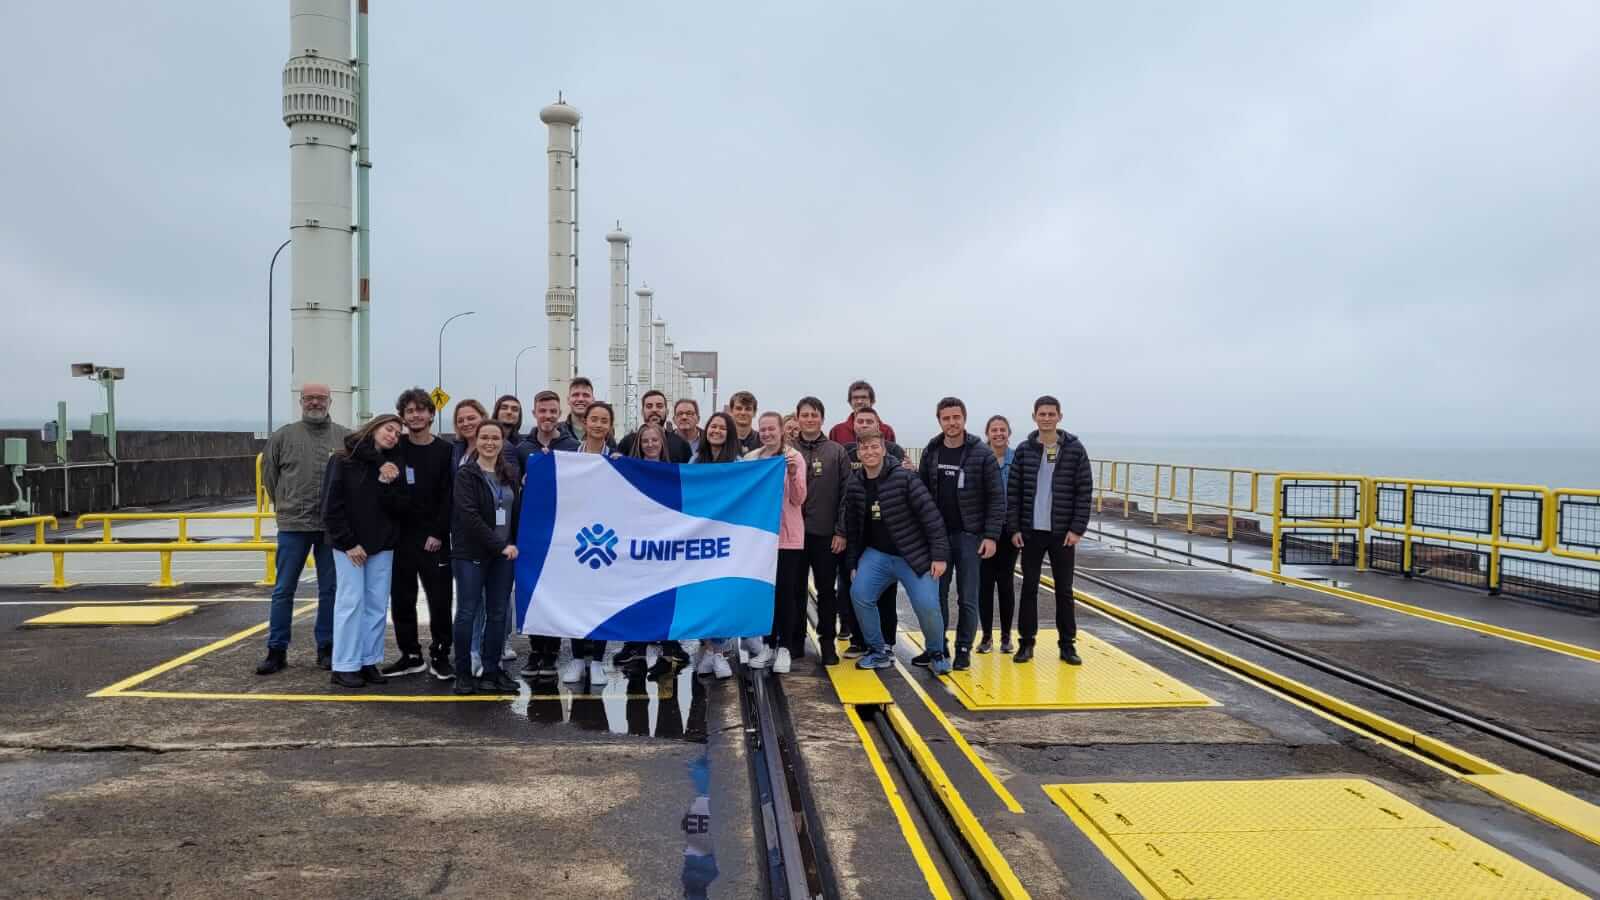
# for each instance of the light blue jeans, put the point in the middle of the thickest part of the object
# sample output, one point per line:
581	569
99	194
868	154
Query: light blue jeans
876	571
360	610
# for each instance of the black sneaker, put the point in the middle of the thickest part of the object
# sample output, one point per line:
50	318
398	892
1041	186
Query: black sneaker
531	670
921	659
276	660
1024	652
830	657
963	659
440	668
1069	655
407	664
674	651
855	649
348	680
547	666
466	684
325	658
628	657
371	675
499	683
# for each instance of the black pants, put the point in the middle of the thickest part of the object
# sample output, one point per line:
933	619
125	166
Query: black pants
1036	545
824	566
997	575
629	648
582	649
411	563
789	599
888	615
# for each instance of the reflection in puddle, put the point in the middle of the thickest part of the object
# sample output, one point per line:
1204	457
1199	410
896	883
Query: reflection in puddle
699	851
672	705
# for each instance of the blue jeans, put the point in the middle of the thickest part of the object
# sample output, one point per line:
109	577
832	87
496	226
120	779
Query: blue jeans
361	612
480	621
293	547
481	587
876	571
964	564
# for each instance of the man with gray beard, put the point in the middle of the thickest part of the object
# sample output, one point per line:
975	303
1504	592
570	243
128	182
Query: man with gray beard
292	467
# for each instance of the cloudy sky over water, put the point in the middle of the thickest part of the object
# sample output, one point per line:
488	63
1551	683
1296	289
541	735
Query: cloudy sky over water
1250	218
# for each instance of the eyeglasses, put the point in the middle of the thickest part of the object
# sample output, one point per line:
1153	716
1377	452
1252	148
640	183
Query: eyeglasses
313	398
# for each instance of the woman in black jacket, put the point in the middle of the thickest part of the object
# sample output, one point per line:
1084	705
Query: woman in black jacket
363	501
483	548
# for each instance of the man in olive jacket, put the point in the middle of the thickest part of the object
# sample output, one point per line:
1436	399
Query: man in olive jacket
292	467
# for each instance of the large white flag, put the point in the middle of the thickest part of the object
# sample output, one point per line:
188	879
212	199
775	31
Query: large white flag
624	549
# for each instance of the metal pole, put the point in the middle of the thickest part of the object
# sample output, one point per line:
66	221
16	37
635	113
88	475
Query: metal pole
111	442
516	375
270	267
439	422
363	225
577	148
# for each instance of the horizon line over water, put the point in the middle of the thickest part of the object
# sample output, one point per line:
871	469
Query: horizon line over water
1554	460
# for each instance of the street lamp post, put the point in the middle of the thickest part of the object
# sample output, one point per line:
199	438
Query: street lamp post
516	374
270	267
440	383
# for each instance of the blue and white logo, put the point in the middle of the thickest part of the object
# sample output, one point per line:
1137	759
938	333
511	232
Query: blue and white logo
597	546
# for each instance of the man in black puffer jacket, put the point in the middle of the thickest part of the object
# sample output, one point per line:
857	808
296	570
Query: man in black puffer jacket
961	474
1047	509
893	533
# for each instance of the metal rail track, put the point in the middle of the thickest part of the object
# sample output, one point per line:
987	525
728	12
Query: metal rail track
795	863
1431	705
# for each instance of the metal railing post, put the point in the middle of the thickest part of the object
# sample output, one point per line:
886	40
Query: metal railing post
1496	515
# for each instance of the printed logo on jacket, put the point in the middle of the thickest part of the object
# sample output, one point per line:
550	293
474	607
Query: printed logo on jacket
623	549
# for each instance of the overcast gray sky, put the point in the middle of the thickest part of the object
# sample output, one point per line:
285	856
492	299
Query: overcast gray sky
1351	218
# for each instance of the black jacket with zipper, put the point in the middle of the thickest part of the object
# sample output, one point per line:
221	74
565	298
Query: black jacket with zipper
908	510
981	496
1070	489
472	526
358	510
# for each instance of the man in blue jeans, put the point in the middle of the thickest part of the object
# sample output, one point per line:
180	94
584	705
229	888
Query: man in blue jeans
292	467
893	533
961	473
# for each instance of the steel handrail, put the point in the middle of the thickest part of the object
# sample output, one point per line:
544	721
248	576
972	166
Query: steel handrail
1552	528
1108	485
183	520
59	551
37	522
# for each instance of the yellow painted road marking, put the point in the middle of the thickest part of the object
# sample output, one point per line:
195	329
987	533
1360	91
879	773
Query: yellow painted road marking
908	828
978	839
961	742
1564	810
324	698
120	614
1510	634
1290	838
192	655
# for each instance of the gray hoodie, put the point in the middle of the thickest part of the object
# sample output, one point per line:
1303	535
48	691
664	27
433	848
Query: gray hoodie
291	470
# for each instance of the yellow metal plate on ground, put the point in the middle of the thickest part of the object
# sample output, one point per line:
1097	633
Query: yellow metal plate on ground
1320	837
1108	679
856	686
140	614
1550	803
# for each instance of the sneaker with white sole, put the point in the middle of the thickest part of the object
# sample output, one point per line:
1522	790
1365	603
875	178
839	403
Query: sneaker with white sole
508	653
597	672
572	671
707	662
719	663
760	659
780	662
407	664
877	659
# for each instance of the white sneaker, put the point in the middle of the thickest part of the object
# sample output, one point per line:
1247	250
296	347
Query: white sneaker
477	666
572	671
780	663
719	662
761	657
597	672
707	662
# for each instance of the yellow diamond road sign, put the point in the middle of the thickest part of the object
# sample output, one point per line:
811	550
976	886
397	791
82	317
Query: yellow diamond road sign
440	398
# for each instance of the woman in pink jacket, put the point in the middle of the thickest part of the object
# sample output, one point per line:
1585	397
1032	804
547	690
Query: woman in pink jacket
788	620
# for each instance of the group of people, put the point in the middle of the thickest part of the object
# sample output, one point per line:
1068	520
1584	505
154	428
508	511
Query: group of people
391	505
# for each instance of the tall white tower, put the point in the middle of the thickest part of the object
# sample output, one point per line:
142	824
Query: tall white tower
618	241
642	377
671	387
658	369
561	299
319	106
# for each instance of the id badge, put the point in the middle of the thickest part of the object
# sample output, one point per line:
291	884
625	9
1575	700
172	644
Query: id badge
500	517
961	479
1050	453
876	514
411	475
816	466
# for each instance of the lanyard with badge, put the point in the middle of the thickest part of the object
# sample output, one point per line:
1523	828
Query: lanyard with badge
500	517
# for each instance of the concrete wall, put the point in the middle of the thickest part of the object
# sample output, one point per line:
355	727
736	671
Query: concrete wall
157	467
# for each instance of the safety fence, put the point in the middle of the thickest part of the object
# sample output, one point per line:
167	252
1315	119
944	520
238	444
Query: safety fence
164	549
1206	499
1516	539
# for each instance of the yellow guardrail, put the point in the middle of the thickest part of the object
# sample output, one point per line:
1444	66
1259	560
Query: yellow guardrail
38	523
1325	508
1584	547
1455	500
183	520
1114	478
263	502
58	553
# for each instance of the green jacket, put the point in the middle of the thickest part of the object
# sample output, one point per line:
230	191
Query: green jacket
292	468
